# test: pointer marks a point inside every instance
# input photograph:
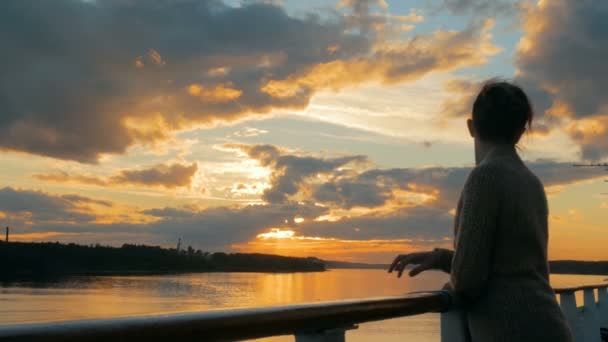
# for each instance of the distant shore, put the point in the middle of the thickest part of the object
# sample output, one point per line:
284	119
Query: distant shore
31	261
49	260
555	266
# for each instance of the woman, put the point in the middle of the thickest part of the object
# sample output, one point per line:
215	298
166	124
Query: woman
499	264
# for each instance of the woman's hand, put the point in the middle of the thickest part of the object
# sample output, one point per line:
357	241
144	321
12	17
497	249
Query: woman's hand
423	261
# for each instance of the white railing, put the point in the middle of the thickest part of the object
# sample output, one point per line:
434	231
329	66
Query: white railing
315	322
585	321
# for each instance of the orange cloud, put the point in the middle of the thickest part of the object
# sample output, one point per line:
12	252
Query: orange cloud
394	62
568	95
165	175
202	70
38	236
592	134
217	94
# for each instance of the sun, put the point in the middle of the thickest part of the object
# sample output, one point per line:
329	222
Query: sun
277	233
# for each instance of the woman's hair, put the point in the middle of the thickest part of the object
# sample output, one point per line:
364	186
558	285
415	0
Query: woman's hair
501	112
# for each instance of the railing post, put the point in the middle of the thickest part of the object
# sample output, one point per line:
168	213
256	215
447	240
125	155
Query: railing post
453	326
602	306
453	321
568	304
591	324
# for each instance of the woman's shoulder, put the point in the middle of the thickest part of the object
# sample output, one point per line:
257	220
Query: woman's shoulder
487	171
505	174
492	176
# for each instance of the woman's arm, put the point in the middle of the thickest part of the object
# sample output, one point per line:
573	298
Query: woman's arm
445	259
471	262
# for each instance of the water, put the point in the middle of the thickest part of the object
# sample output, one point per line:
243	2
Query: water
104	297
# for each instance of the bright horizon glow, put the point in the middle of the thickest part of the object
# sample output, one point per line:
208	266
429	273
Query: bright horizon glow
277	233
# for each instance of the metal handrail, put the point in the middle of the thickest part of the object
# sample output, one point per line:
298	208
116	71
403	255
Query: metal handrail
321	321
579	288
234	324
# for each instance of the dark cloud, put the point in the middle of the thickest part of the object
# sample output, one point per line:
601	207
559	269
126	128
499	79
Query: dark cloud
212	228
86	200
390	214
560	65
374	188
399	61
422	222
43	208
290	172
80	79
350	187
562	58
222	226
170	213
165	175
173	175
572	71
553	173
98	69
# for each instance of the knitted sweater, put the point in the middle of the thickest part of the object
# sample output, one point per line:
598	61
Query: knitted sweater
499	264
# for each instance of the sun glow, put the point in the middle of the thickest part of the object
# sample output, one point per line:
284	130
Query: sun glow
277	233
287	242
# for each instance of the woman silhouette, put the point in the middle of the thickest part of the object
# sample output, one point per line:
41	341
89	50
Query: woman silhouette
499	264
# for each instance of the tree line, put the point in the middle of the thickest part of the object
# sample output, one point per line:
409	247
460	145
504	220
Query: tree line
18	259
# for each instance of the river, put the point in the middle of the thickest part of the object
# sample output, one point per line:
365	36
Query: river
116	296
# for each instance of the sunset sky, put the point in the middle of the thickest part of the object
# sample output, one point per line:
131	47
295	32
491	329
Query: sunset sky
321	128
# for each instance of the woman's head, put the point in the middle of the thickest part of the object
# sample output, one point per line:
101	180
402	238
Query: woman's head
501	113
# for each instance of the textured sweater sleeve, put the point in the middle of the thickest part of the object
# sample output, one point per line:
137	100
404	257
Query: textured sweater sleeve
475	237
445	259
445	256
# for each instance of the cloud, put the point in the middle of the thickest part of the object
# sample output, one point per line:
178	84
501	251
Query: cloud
422	222
77	199
346	203
481	8
564	80
166	175
441	185
557	174
580	28
376	187
560	60
248	132
29	207
347	182
133	72
290	172
391	63
461	104
372	16
222	226
170	213
591	134
170	176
